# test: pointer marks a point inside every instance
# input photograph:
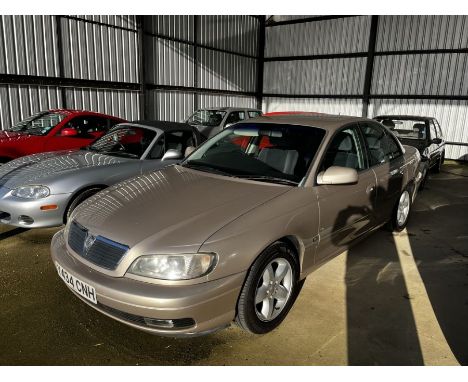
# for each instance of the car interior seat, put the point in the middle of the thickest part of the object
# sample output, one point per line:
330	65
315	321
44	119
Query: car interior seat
280	155
342	152
420	130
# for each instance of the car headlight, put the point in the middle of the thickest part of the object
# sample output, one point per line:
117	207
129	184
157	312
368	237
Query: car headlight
174	267
31	192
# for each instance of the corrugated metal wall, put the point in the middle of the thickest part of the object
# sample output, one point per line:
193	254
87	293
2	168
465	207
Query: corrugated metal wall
202	53
415	57
315	73
103	48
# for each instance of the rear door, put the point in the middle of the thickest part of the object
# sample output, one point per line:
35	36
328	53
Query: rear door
346	211
387	161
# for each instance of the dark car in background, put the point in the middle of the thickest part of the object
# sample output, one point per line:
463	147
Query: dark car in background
211	121
424	133
53	130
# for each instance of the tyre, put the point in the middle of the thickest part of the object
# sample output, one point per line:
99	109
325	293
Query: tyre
423	180
440	162
401	212
270	290
78	199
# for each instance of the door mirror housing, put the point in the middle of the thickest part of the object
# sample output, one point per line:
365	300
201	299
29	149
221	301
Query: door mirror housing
437	141
172	154
338	175
68	132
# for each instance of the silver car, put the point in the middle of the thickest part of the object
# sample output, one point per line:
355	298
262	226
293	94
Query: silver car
42	190
210	122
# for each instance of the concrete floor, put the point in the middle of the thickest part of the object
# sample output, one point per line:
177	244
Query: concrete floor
393	299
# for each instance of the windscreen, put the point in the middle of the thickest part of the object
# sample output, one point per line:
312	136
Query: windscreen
207	117
405	128
275	153
39	124
125	141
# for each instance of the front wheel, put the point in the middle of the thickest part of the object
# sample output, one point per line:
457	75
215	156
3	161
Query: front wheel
80	198
401	212
269	291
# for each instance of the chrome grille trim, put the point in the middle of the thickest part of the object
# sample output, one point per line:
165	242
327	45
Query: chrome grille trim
103	252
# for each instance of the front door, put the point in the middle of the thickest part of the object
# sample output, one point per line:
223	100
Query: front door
346	211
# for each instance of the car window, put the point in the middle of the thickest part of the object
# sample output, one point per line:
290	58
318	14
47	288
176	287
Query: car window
39	124
345	150
88	127
234	117
172	140
381	145
432	130
124	140
254	114
439	130
206	117
405	128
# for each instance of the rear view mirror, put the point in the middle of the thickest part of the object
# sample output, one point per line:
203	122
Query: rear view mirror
172	154
338	175
68	132
437	141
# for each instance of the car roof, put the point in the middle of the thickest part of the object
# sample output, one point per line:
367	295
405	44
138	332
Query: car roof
73	112
325	121
229	108
401	116
162	125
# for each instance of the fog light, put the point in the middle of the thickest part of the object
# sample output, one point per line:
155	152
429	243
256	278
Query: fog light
169	324
24	219
49	207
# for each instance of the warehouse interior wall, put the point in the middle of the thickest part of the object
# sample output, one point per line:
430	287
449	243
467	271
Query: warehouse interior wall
165	67
370	65
134	67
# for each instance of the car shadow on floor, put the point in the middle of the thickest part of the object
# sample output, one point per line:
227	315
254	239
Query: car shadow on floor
12	232
438	235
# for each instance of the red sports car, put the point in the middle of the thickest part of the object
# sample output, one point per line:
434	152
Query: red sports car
54	130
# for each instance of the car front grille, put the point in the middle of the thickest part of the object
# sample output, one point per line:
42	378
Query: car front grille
98	250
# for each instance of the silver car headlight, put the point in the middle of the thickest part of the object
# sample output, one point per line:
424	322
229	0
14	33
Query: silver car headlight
31	192
174	267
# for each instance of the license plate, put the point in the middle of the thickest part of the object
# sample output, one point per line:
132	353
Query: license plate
83	289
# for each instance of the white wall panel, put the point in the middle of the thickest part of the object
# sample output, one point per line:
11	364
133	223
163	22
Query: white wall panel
343	35
330	76
214	100
124	104
19	101
422	32
318	105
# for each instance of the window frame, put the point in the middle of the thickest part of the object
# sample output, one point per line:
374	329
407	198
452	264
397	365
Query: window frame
387	133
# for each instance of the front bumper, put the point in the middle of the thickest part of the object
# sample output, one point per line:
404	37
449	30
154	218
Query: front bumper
27	213
208	306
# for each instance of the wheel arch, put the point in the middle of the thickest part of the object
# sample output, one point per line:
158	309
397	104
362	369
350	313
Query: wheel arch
78	192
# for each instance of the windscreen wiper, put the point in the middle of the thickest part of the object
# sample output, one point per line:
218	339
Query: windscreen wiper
206	168
272	179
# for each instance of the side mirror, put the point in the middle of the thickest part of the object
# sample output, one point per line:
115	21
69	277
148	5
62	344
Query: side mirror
68	132
437	141
338	175
172	154
189	150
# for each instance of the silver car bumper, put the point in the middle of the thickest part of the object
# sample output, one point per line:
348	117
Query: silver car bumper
28	214
199	308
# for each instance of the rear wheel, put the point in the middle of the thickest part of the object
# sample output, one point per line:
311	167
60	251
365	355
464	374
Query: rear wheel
80	198
269	291
401	212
